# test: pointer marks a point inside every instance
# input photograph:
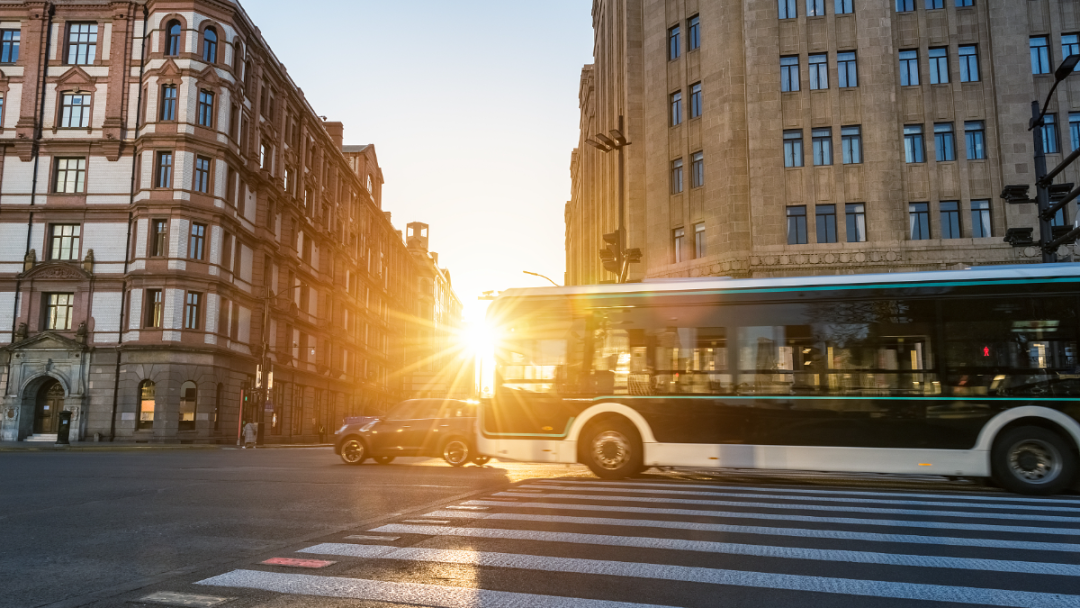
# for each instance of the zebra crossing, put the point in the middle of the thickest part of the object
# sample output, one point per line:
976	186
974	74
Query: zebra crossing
598	544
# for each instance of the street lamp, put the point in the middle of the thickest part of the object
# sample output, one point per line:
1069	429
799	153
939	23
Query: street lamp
616	258
537	274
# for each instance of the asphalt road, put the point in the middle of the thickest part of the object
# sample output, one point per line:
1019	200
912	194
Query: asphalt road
197	528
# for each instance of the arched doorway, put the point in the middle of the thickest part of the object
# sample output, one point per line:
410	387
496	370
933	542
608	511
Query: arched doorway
50	402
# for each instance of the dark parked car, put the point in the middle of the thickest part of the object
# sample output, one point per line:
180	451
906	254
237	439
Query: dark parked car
417	427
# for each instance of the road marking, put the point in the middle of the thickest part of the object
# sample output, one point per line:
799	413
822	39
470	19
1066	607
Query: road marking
171	598
899	523
1003	498
467	508
988	543
807	498
740	578
458	514
674	544
434	596
388	539
851	509
426	521
297	563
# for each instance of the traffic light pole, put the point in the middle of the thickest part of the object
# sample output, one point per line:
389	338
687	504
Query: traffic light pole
621	256
1042	190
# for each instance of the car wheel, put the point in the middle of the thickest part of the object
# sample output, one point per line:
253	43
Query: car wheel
481	460
384	459
1033	460
613	450
353	451
457	452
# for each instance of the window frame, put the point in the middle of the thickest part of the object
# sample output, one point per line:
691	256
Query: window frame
985	219
818	68
825	223
61	243
697	169
944	142
843	7
154	309
815	8
789	74
73	48
678	241
163	169
52	305
1041	60
700	243
851	145
201	175
1051	139
677	176
847	70
60	166
796	225
208	50
167	112
174	43
193	309
919	221
675	99
158	237
821	146
793	149
695	100
693	33
788	9
197	242
914	144
969	62
855	222
909	67
674	42
10	45
68	108
949	216
975	139
207	101
938	59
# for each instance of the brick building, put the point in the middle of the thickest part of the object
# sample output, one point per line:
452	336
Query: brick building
786	137
174	218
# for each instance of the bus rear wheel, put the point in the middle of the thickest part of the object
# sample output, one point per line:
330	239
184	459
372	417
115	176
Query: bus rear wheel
613	450
1033	460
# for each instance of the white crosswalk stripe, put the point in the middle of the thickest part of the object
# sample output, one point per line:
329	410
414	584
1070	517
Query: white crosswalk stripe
650	543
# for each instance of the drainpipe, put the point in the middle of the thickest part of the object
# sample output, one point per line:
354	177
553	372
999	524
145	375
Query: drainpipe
131	215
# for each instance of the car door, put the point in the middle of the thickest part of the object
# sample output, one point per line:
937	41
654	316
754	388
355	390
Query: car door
417	433
388	436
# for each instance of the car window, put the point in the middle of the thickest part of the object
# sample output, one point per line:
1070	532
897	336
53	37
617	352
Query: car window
403	411
426	410
458	409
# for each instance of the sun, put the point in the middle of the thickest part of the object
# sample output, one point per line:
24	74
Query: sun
478	338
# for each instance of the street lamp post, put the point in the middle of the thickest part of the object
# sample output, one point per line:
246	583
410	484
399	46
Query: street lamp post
537	274
616	257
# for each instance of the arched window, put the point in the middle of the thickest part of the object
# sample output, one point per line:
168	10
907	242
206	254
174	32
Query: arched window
209	45
146	405
188	402
172	39
238	56
217	405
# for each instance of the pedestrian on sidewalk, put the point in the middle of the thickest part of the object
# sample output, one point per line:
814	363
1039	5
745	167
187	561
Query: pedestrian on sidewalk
251	434
322	433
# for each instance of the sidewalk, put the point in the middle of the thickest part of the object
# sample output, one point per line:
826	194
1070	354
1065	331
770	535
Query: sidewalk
84	446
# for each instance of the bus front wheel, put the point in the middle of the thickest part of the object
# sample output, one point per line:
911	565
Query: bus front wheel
1033	460
613	450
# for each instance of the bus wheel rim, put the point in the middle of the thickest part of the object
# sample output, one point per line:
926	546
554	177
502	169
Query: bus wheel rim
611	450
1034	461
455	451
352	451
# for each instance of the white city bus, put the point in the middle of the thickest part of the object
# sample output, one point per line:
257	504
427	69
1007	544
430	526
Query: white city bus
957	373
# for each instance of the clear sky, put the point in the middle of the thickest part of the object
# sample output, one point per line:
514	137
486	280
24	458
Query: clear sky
473	109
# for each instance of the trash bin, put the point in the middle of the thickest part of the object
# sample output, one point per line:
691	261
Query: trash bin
64	430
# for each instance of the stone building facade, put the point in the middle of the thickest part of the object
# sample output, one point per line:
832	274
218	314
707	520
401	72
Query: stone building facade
183	243
787	137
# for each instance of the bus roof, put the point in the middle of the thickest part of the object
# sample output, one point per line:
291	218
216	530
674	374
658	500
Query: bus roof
1021	272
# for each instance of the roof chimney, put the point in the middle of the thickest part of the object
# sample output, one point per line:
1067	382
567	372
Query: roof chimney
336	131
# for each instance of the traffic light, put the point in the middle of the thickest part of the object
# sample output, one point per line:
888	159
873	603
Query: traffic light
1019	237
611	254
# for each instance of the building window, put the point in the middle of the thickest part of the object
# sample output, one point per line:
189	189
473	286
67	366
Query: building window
9	46
969	63
855	219
676	108
950	220
266	157
944	142
168	102
796	225
693	33
82	43
935	4
789	73
146	405
64	242
697	170
206	108
673	43
58	307
1074	130
919	220
192	310
695	100
172	44
188	404
1050	135
678	236
676	176
846	70
70	176
980	219
163	170
905	6
826	223
788	10
74	111
963	3
159	238
939	66
1070	45
974	136
821	142
700	248
209	49
793	152
914	146
851	144
197	241
202	174
1040	55
819	71
909	68
1059	218
815	8
154	309
844	7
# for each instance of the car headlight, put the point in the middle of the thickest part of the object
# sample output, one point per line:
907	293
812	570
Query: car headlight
367	427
